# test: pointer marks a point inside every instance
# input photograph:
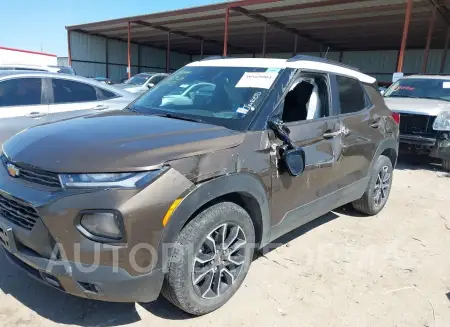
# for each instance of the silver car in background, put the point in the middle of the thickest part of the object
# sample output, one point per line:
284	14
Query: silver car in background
142	82
29	98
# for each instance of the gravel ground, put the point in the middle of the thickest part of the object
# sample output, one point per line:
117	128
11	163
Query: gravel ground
340	270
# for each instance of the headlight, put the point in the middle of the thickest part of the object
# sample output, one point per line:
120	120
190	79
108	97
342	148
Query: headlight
442	121
114	180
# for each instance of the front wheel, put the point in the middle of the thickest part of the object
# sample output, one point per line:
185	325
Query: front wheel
378	189
210	259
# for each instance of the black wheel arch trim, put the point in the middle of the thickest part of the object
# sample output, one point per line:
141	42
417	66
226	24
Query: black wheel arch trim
206	192
386	144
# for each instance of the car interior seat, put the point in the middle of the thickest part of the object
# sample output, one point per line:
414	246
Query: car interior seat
295	108
314	104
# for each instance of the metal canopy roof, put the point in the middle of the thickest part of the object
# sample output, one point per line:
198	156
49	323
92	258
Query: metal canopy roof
338	24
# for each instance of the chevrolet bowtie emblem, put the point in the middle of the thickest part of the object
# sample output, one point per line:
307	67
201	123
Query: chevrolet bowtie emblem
13	171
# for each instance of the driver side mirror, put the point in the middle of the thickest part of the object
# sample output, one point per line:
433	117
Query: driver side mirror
151	85
294	159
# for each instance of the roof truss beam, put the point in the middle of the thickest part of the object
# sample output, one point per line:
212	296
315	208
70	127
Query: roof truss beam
187	35
278	25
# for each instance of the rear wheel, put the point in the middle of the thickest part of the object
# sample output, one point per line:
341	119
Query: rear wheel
378	189
446	165
210	259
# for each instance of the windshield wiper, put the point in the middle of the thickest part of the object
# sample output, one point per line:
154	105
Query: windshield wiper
133	109
172	116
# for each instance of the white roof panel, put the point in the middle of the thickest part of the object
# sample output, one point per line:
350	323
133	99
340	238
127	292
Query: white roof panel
309	65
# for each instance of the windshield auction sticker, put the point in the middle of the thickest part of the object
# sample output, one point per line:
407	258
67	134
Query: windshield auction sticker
257	80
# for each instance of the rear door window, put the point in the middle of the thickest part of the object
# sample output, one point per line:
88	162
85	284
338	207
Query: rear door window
21	92
67	91
351	95
105	94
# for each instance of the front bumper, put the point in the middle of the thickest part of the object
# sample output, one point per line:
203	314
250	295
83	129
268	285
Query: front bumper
103	283
439	146
56	253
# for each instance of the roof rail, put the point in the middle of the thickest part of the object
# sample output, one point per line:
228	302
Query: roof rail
322	60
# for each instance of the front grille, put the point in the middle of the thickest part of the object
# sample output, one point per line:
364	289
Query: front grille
417	124
19	213
36	175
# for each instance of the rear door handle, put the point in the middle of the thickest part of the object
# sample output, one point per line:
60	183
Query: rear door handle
330	135
101	107
35	114
376	123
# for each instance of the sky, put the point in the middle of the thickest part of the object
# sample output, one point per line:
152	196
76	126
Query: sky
39	25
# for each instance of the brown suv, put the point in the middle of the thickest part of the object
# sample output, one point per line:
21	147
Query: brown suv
176	192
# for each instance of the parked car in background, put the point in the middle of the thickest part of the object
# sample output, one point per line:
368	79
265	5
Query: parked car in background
31	98
53	69
383	86
140	83
423	102
194	186
103	80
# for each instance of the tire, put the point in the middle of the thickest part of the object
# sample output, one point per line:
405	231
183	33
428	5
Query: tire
370	203
446	165
179	285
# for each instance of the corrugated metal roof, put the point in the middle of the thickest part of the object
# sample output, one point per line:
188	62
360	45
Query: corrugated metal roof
338	24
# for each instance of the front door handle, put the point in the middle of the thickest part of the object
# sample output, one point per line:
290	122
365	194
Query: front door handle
101	107
35	114
330	135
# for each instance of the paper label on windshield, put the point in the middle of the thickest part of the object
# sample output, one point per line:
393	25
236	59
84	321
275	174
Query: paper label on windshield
446	85
257	80
273	70
242	110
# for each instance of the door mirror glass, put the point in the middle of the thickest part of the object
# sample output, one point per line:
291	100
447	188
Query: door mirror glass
150	85
294	159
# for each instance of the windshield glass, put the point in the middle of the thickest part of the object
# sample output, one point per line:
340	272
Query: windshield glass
138	79
423	88
226	96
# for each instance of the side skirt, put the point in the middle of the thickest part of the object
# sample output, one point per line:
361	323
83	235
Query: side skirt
317	208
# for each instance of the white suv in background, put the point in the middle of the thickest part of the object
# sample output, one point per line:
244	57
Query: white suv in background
51	69
423	102
31	98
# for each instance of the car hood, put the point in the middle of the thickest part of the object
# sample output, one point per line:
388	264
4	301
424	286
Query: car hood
115	142
428	107
130	87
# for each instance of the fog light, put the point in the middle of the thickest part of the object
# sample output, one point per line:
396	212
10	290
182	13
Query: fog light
102	224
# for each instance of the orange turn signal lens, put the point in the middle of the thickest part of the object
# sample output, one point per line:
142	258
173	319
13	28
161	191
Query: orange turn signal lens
170	212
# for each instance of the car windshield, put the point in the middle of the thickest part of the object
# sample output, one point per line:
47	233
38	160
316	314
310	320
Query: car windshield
138	79
226	96
422	88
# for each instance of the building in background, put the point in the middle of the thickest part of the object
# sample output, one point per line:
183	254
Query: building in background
10	56
378	37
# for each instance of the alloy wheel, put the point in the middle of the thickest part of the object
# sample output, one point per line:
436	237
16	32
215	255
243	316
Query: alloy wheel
219	261
382	185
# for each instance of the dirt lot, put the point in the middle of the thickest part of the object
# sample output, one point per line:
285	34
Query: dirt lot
341	270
